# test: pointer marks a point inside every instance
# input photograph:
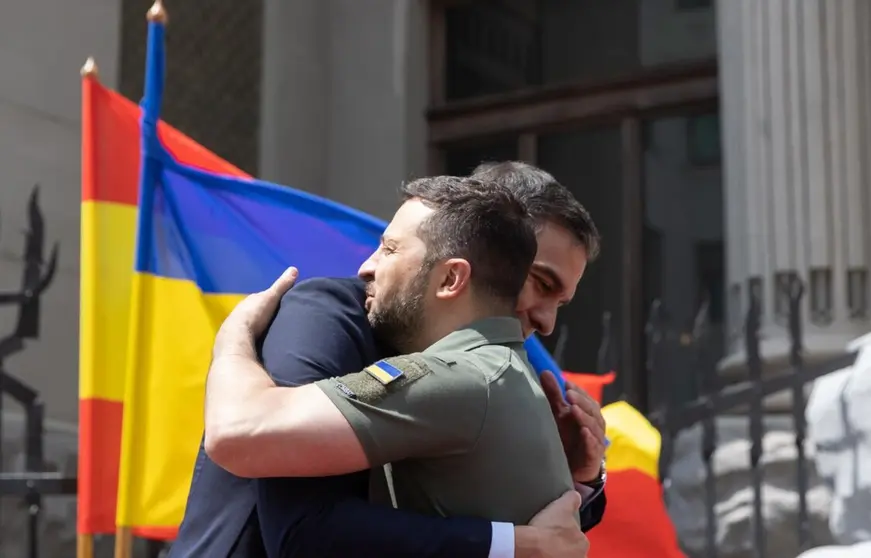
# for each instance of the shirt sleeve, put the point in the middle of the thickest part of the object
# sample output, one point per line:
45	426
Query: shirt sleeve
321	331
412	406
592	514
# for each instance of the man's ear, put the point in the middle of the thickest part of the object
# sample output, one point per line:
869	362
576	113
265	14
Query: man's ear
454	279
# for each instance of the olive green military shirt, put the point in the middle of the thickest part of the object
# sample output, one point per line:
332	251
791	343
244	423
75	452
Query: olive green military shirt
464	424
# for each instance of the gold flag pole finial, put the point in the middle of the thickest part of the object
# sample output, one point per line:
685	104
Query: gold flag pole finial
90	69
157	13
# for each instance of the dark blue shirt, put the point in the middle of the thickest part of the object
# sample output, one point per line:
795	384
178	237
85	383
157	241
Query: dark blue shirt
320	331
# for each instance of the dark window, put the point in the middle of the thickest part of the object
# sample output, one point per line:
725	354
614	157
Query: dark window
703	140
498	46
684	5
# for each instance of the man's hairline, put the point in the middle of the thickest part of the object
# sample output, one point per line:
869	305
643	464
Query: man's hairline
542	220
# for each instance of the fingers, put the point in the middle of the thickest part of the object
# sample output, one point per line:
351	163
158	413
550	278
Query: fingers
573	499
579	397
589	424
595	444
560	513
550	386
568	502
284	282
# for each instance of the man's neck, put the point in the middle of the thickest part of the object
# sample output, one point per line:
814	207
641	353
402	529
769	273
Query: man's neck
449	322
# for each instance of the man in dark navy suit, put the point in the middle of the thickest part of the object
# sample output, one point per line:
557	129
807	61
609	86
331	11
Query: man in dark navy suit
322	331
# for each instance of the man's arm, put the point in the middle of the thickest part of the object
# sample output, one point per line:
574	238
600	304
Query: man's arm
255	429
342	425
582	430
392	410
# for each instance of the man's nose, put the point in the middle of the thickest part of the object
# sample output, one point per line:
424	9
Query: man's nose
543	321
367	269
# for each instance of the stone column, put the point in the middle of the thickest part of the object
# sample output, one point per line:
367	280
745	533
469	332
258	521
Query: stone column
294	109
796	85
344	98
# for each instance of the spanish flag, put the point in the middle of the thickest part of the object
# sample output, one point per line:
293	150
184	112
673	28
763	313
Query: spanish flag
110	167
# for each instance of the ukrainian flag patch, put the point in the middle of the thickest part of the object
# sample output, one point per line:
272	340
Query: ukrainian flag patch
384	372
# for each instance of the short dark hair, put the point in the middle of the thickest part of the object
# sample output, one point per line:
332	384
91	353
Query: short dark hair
481	222
545	199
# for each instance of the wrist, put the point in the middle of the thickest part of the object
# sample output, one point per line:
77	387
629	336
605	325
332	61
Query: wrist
587	479
593	480
527	542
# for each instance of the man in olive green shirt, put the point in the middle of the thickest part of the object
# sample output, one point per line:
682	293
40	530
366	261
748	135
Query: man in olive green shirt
461	418
464	423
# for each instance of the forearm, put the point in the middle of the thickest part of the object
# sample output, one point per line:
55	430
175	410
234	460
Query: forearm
236	388
235	383
256	429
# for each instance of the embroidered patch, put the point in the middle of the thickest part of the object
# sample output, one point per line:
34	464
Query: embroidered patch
371	388
384	372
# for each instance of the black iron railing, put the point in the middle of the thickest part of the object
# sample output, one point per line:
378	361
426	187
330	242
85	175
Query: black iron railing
672	417
34	483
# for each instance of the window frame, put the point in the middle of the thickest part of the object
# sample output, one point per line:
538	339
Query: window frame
676	89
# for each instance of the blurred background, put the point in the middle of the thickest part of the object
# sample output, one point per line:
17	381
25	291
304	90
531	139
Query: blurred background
722	148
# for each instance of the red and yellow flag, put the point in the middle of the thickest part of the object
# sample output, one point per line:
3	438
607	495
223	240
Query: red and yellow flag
636	522
110	184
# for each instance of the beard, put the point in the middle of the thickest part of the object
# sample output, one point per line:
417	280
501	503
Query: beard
397	319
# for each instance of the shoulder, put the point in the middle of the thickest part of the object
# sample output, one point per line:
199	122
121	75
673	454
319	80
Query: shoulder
445	373
321	328
335	292
492	361
323	301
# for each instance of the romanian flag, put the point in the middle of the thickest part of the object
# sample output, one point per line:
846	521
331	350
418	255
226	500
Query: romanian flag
636	522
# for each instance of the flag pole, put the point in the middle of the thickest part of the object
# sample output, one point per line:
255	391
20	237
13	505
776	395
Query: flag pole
90	73
151	103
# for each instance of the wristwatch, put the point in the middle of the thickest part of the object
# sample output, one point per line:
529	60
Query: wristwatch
598	483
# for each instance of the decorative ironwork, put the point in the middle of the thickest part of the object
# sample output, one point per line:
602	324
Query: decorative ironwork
782	282
672	417
38	274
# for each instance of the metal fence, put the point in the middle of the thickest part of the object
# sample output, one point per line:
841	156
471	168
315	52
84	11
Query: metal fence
673	417
35	483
